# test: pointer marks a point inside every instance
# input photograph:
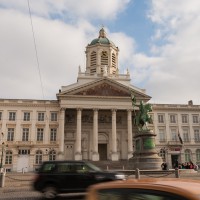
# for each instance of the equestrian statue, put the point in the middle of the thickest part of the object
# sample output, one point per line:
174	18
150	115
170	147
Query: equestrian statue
142	117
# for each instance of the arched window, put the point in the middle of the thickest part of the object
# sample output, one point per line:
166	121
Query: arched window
187	155
38	157
52	155
198	155
9	157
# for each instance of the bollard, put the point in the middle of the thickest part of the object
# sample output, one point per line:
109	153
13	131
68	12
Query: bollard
177	174
137	173
2	179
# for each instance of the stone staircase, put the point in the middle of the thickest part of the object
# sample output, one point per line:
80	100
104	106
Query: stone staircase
112	165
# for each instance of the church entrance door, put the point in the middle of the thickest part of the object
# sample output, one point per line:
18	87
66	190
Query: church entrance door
102	151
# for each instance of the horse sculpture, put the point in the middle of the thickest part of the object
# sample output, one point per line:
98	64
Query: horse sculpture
142	117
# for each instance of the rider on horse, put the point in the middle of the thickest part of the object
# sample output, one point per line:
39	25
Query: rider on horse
142	117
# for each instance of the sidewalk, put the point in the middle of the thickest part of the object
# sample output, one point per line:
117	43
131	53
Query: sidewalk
18	182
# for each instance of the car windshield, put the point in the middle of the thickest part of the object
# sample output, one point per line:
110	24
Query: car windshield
93	167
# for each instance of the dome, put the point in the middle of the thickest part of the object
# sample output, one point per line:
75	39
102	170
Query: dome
102	39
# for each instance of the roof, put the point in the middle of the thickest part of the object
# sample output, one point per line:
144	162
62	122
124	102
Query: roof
102	39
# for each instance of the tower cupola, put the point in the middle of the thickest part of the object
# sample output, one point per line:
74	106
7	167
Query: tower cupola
102	56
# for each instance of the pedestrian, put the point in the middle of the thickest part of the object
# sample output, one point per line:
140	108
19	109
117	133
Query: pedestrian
164	166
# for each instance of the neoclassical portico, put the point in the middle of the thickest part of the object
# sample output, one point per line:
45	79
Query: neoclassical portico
113	140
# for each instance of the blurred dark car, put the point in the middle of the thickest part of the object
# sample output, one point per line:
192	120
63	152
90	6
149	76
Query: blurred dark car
54	177
146	189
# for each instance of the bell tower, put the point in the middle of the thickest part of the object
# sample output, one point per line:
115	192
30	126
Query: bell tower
102	56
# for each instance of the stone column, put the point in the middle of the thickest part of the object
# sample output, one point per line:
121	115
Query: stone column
114	154
78	154
62	134
130	134
95	154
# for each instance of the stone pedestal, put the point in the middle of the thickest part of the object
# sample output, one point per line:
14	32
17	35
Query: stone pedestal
78	156
145	157
95	156
114	156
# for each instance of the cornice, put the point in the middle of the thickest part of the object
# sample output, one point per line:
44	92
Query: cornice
176	107
10	104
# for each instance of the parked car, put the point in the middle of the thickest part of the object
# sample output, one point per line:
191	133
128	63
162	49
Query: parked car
54	177
146	189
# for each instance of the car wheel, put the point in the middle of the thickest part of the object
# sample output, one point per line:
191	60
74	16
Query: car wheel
50	192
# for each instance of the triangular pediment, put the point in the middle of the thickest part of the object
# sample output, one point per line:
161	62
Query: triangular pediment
103	87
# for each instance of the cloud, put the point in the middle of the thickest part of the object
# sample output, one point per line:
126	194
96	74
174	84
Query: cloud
62	29
61	33
176	77
70	9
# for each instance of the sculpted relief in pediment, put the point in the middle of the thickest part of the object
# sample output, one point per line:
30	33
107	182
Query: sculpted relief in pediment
104	90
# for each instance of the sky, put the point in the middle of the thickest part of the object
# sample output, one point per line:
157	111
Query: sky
158	41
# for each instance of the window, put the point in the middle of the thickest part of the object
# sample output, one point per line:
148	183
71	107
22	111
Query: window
161	135
24	152
162	154
113	60
173	134
52	155
187	155
40	132
41	116
10	135
0	116
93	60
172	119
53	134
12	116
196	135
25	134
54	116
8	159
160	118
184	118
104	58
185	135
38	157
195	119
27	116
198	155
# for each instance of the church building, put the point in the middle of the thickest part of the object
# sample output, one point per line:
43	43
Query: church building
92	119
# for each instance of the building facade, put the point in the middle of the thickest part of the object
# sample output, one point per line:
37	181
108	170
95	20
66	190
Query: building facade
92	119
